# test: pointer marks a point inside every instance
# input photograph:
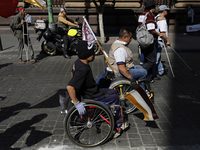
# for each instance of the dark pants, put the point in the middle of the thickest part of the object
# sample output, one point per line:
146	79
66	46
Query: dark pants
149	60
26	41
65	40
110	98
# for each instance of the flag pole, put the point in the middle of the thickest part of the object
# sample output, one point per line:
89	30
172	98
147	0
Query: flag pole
103	51
106	58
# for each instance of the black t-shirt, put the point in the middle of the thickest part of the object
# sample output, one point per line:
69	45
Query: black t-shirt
83	81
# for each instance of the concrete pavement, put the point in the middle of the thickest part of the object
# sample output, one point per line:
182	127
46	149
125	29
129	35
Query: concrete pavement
30	116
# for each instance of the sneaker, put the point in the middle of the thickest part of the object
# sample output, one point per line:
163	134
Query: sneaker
66	56
20	62
117	134
33	60
125	125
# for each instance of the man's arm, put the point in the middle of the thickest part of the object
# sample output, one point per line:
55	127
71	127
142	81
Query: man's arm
61	19
165	37
124	71
72	93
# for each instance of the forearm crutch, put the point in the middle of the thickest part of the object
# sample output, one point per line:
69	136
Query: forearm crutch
26	49
168	59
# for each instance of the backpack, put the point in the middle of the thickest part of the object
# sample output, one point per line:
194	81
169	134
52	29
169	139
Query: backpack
144	38
12	29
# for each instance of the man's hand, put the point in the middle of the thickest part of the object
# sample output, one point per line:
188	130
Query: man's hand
75	22
80	107
168	43
22	21
134	83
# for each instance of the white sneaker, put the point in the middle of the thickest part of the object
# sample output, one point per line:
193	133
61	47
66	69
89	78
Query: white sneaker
125	125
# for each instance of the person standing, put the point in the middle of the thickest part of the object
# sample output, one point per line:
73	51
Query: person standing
162	28
19	24
190	15
149	52
63	26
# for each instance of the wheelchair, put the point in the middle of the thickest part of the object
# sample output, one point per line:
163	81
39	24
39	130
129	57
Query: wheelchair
93	128
123	86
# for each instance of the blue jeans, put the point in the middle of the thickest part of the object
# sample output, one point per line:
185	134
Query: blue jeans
138	72
159	48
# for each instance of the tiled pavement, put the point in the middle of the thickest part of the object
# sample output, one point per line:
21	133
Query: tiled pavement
30	113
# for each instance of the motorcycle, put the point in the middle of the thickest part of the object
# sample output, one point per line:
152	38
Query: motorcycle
53	42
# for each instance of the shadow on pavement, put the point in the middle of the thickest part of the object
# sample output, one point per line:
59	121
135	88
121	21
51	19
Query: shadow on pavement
7	112
14	133
8	47
5	65
50	102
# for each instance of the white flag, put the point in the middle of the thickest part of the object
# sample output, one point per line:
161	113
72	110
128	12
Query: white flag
87	33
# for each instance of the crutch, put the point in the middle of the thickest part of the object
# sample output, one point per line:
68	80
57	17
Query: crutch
183	61
168	59
26	50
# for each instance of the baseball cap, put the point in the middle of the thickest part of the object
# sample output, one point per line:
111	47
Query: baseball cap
149	3
63	9
163	7
85	49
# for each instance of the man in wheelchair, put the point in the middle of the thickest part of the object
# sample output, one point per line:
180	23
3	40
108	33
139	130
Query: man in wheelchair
121	59
83	83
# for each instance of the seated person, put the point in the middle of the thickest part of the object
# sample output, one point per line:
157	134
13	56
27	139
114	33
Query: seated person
121	59
83	83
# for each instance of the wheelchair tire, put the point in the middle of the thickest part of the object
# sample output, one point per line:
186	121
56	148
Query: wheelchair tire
92	129
123	86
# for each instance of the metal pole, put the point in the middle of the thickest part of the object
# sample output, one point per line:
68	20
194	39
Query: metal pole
27	41
1	48
50	11
168	59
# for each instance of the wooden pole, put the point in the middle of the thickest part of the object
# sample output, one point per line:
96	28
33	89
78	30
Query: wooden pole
106	58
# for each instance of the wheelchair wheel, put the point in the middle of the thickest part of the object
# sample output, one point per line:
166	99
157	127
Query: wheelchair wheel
93	128
123	86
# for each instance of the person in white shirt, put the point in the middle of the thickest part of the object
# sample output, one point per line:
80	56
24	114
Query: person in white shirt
121	59
190	14
162	27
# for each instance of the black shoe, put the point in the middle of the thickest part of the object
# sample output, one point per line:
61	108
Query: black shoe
66	56
157	78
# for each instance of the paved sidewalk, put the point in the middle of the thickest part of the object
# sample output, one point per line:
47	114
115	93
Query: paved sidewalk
30	116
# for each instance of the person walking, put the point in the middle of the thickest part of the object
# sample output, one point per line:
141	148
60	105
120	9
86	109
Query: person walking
63	26
162	28
121	59
19	24
149	52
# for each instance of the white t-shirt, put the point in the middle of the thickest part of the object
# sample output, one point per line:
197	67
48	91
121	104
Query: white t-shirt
120	54
162	27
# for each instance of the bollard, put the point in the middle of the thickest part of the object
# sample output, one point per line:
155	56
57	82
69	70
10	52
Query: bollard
1	48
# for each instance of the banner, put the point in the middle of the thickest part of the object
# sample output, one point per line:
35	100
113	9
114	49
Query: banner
139	98
8	8
87	33
39	3
193	28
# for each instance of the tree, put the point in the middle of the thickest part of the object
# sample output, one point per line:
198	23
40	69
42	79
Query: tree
100	9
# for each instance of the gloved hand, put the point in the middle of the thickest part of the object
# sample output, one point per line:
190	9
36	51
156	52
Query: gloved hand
133	82
80	107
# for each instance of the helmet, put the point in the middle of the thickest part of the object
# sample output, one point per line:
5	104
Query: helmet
48	35
63	9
